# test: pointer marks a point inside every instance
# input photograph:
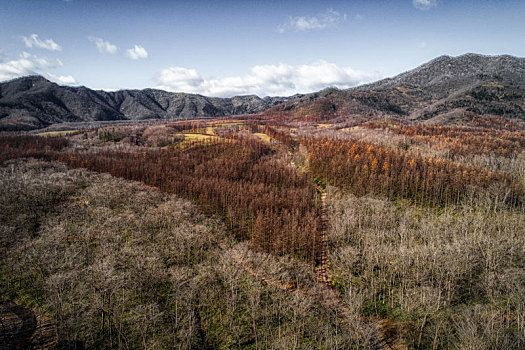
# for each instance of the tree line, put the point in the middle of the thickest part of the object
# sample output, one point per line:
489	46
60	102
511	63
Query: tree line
461	141
17	146
363	168
244	180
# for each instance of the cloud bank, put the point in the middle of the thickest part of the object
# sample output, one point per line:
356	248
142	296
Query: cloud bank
34	41
61	79
264	80
137	53
329	19
104	46
28	64
16	68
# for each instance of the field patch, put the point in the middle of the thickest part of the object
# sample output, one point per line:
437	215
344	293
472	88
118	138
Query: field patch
262	136
56	133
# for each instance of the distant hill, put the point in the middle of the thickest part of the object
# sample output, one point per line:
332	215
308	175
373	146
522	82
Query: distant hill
439	91
33	102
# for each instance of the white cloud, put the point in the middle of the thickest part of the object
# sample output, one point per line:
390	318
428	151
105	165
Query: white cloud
42	62
137	53
264	80
424	4
16	68
423	45
34	41
28	64
103	46
181	79
45	63
61	79
330	18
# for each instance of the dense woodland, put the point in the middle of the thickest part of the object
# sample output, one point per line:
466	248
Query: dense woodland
262	198
463	141
424	226
121	265
364	168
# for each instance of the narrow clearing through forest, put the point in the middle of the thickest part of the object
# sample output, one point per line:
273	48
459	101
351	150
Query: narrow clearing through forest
383	337
381	334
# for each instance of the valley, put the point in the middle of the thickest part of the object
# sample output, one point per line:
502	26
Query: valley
264	231
249	175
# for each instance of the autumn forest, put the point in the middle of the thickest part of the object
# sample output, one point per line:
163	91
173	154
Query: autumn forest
265	232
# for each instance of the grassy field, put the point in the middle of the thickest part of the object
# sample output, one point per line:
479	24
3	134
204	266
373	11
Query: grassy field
189	137
56	133
262	136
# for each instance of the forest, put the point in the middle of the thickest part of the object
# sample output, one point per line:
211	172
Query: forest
263	232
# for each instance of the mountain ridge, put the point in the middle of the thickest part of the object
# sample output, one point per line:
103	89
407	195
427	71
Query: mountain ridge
450	66
34	102
438	91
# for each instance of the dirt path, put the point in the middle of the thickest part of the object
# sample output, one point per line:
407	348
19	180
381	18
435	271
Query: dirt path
380	332
382	337
328	297
323	267
21	328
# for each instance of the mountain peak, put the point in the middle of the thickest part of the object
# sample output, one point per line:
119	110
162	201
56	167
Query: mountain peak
28	80
448	69
31	78
439	91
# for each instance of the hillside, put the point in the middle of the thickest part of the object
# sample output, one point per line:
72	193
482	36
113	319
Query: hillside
439	91
33	102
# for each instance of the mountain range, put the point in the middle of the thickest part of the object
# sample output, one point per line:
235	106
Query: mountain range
439	91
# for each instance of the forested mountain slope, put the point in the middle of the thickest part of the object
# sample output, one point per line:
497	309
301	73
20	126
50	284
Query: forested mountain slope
441	90
34	102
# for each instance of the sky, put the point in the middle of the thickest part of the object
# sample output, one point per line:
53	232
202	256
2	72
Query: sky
240	47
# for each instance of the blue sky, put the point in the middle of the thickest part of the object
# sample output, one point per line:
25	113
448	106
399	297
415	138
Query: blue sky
225	48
